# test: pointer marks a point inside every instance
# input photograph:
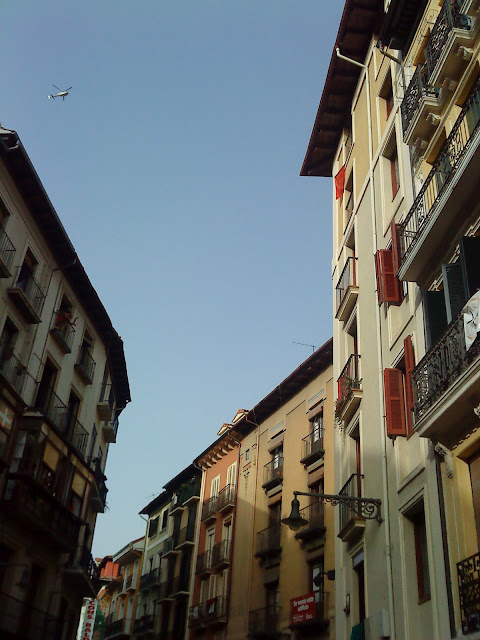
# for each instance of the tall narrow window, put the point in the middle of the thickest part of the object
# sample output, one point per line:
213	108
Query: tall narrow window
421	556
394	172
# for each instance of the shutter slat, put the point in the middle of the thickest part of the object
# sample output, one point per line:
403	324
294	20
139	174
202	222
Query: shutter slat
454	289
391	288
395	247
394	402
409	367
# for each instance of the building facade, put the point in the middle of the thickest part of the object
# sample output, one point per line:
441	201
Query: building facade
63	385
397	127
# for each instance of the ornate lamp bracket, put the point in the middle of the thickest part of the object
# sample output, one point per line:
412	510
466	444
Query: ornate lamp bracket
368	508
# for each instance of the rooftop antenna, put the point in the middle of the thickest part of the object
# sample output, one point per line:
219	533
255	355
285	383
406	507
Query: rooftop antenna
303	344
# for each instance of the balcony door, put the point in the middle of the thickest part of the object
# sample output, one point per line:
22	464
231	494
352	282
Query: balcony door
474	464
46	386
215	487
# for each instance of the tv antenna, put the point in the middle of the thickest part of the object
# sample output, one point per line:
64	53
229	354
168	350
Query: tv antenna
304	344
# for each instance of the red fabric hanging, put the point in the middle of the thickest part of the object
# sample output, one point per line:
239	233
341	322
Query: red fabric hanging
340	183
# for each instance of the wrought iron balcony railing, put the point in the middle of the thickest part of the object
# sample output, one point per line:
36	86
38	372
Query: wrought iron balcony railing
468	573
268	541
82	560
78	438
442	365
118	627
349	378
64	332
11	368
101	487
353	489
209	509
416	91
448	19
452	152
273	472
36	625
7	253
204	563
312	447
54	409
186	535
31	290
221	554
348	278
315	514
226	497
180	585
196	616
149	579
86	364
144	624
263	622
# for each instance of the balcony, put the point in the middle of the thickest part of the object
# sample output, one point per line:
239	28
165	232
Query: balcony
349	389
180	586
21	621
83	571
190	493
85	365
346	290
204	564
263	623
106	402
52	408
99	491
445	387
445	200
196	617
78	437
130	583
26	500
170	546
63	332
109	430
215	611
7	253
27	296
312	448
186	537
226	498
209	510
315	514
118	628
150	579
468	574
351	525
273	473
165	591
448	48
12	369
144	625
420	109
313	617
221	555
268	542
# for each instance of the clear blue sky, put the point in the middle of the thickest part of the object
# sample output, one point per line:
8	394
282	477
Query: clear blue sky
174	166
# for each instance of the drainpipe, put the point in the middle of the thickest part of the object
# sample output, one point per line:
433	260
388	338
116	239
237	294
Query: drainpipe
386	506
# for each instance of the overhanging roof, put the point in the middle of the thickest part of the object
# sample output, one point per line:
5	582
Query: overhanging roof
31	188
320	360
358	23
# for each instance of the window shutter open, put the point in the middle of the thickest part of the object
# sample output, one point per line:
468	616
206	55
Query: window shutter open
394	402
395	247
409	367
435	316
454	289
387	281
378	273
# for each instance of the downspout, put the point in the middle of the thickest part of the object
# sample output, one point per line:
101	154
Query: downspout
386	506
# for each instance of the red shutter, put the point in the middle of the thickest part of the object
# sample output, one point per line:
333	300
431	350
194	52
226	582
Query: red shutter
390	284
394	402
378	273
395	247
409	367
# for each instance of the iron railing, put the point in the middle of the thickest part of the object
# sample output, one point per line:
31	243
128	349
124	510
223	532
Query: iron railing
348	278
468	573
268	540
204	562
170	543
349	207
221	553
65	331
7	250
448	19
441	173
226	497
353	489
100	479
185	535
349	378
416	91
78	437
264	621
31	289
273	470
149	579
180	584
315	514
196	615
209	508
143	624
312	444
442	365
11	368
21	620
117	627
86	362
215	609
107	394
82	559
52	408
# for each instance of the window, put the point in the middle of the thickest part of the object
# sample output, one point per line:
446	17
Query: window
164	519
25	275
7	340
153	527
317	581
215	487
232	475
359	568
386	93
45	388
247	455
394	172
317	427
277	457
421	556
349	198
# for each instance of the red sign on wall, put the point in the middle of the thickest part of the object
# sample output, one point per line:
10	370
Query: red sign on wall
302	608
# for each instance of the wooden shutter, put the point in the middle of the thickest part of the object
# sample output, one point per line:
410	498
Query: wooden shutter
395	247
394	402
454	289
390	284
378	273
469	258
409	367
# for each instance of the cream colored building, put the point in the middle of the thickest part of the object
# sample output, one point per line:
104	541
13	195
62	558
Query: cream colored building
286	445
63	384
401	127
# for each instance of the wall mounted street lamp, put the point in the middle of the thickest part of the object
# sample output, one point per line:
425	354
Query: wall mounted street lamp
368	508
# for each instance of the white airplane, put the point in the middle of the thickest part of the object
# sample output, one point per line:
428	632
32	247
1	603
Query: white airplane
62	93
